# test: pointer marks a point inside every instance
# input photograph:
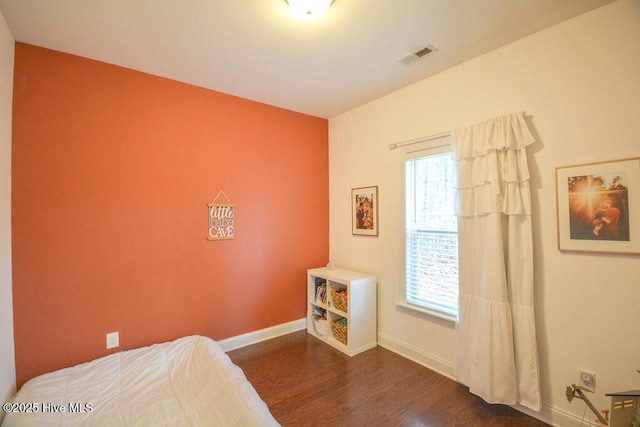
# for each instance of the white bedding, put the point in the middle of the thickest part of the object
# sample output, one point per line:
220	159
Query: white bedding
190	381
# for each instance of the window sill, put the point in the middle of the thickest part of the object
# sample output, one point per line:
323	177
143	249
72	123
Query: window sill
438	314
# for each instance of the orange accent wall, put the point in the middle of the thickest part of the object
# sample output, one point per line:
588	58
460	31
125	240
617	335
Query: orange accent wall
112	172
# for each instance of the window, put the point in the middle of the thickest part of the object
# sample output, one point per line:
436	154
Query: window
431	232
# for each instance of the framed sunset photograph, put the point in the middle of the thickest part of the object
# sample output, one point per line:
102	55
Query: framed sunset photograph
598	205
364	211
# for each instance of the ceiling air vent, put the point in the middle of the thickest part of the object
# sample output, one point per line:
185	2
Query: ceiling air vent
412	57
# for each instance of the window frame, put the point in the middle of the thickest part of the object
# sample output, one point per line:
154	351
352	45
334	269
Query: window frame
432	148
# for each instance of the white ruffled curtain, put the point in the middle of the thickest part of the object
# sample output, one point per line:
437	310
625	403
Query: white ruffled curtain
496	352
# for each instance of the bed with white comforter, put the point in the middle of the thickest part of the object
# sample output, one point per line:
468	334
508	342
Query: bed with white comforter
187	382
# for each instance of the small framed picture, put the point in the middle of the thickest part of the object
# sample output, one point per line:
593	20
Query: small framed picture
598	207
364	211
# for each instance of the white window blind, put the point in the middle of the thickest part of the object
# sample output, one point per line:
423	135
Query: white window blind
431	232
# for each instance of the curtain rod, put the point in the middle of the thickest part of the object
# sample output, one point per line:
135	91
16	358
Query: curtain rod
418	140
432	137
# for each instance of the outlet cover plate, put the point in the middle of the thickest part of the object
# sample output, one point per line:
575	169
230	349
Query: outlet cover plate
587	379
113	340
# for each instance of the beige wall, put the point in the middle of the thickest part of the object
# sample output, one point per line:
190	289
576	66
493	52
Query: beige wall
579	83
7	364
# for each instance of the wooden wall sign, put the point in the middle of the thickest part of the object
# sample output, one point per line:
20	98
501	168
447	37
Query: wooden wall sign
221	219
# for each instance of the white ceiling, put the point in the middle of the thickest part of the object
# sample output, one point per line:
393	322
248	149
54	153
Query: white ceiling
256	49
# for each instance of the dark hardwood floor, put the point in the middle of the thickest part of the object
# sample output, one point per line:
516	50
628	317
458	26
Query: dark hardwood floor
308	383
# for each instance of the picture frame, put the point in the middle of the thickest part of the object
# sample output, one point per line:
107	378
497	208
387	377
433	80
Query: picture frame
597	207
364	211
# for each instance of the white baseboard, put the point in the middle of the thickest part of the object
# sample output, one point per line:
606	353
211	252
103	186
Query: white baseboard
431	361
262	335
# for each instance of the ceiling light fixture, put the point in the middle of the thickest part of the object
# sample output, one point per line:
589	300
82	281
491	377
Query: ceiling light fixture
309	8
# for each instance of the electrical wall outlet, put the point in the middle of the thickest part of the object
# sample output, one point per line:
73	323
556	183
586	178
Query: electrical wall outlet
113	340
587	379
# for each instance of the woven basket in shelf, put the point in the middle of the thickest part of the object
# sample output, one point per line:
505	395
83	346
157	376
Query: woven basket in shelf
339	300
339	328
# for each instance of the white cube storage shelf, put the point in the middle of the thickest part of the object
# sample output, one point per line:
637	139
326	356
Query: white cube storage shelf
356	329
